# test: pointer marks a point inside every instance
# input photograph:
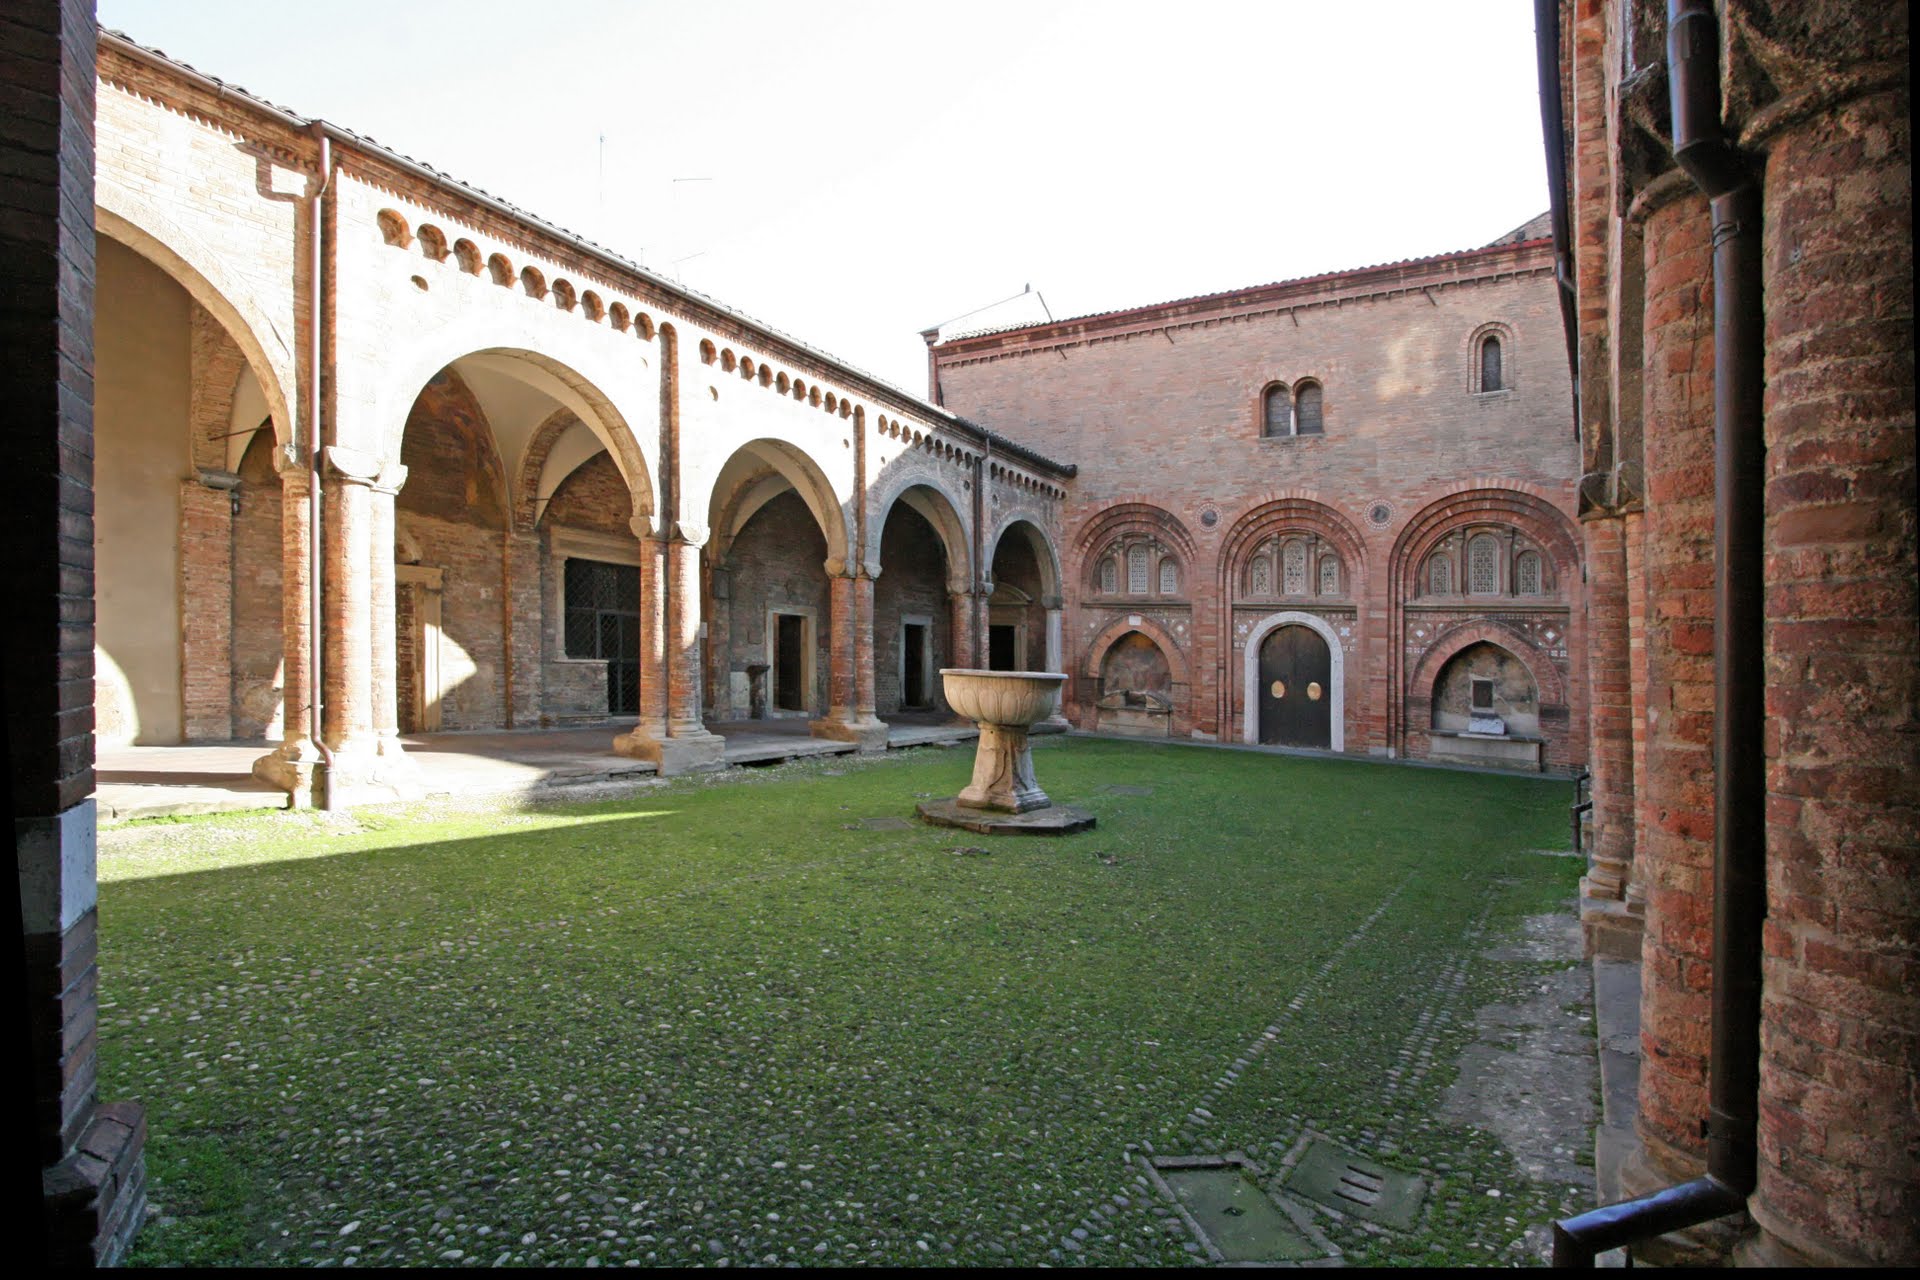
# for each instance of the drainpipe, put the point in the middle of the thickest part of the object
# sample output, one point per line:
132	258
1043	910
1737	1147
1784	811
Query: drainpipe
1739	716
316	356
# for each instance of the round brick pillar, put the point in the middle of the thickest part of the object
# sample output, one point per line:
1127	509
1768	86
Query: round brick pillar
1839	1133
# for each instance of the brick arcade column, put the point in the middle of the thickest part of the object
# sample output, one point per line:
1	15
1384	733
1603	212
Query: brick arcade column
290	766
1839	1134
1612	926
670	732
206	604
1674	825
85	1157
964	626
850	714
357	576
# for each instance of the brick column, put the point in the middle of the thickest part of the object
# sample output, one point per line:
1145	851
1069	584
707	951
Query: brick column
850	716
290	767
1610	928
92	1197
206	604
720	642
1674	825
669	732
961	604
1839	1134
1051	661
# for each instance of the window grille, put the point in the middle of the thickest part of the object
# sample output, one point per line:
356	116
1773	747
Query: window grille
1279	420
1526	574
1136	571
603	621
1262	584
1490	364
1109	576
1440	576
1483	566
1293	569
1169	578
1329	576
1309	410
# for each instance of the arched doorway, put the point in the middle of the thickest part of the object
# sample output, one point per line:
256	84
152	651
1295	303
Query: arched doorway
1296	688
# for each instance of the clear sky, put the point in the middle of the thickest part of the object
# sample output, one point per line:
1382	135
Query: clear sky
871	168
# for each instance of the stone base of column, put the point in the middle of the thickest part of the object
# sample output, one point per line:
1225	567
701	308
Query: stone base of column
1653	1166
868	733
694	752
96	1198
290	767
1610	926
1774	1244
363	774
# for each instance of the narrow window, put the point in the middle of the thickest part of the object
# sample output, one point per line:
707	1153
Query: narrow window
1169	578
1136	571
1262	583
1293	569
1109	576
1279	416
1490	364
1440	576
1329	576
1309	407
1526	574
1483	566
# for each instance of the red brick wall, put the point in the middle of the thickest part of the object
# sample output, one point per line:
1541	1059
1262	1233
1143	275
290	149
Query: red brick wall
593	497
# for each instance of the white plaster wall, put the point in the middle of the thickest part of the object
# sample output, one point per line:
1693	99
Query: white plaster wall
141	374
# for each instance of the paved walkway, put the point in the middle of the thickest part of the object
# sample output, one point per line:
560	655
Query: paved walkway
150	782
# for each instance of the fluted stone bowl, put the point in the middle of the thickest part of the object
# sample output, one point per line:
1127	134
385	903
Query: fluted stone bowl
1017	699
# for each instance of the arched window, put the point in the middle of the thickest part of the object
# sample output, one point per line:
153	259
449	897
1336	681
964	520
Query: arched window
1483	566
1169	577
1307	405
1136	570
1490	364
1109	576
1526	574
1440	576
1260	582
1293	569
1279	412
1329	576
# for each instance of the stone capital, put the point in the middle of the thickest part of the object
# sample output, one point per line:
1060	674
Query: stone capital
691	532
392	478
351	466
214	478
644	527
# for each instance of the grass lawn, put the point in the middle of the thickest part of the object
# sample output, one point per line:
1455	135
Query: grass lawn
721	1020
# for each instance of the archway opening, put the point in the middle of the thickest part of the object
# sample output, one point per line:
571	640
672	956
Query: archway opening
1136	694
1485	689
1023	578
912	613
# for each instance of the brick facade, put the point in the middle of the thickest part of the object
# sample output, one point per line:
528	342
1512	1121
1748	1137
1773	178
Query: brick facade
1194	524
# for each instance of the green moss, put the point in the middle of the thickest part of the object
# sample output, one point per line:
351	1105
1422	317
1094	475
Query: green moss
711	1014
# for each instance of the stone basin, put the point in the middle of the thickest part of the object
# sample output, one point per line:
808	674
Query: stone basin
1018	699
1006	704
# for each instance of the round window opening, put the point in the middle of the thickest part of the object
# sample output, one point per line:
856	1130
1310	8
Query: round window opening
1380	515
1209	517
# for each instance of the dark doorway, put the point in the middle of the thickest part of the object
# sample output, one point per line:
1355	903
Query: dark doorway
1296	689
913	653
603	621
1003	648
790	662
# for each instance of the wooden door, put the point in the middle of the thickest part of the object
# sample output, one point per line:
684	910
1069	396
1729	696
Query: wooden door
1296	689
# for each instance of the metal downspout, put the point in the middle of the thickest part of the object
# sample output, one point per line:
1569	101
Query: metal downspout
316	356
1739	824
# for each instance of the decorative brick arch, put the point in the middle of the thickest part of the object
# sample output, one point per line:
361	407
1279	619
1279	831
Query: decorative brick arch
533	464
794	468
1136	519
1523	508
1291	513
178	253
1548	684
1117	630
